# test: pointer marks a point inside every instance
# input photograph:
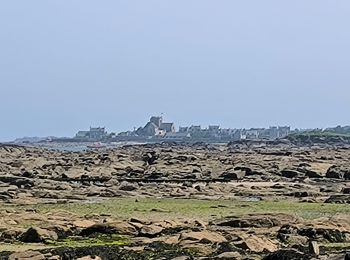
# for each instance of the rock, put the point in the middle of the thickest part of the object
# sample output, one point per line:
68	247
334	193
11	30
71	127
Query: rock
202	237
330	234
347	256
37	235
28	255
287	254
314	249
181	258
229	255
124	228
337	172
18	181
313	174
199	249
233	175
295	240
150	158
11	233
255	220
290	173
83	223
255	244
125	186
90	257
248	171
346	190
338	199
150	231
98	228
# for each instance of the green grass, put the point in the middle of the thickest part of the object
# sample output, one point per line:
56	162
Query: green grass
101	240
331	247
125	208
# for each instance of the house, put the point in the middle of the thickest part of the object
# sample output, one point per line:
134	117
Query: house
168	127
156	127
239	135
252	134
195	128
95	133
214	128
283	131
157	120
82	135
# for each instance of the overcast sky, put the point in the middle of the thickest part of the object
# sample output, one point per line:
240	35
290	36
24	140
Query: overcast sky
67	65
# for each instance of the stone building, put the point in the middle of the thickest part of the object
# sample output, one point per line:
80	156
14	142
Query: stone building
156	127
95	134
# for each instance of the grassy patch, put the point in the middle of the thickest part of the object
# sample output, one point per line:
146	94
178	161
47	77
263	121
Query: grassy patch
331	247
101	240
125	208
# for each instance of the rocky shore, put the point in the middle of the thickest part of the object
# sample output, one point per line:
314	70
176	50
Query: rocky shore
176	201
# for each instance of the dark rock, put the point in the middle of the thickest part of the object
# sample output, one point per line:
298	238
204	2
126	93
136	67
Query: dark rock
347	256
290	173
18	181
300	194
150	158
313	174
338	199
287	254
258	221
332	235
98	229
337	172
346	190
37	235
233	175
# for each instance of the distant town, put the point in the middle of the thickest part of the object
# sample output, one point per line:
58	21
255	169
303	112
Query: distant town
156	129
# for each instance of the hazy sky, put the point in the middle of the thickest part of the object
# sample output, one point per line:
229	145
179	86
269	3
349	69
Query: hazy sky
66	65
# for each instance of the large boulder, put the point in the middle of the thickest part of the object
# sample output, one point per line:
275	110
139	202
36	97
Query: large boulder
37	235
255	243
121	228
150	231
290	173
100	228
255	220
338	199
338	172
233	175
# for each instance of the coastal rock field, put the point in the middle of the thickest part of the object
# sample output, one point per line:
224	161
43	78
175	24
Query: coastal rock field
248	200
